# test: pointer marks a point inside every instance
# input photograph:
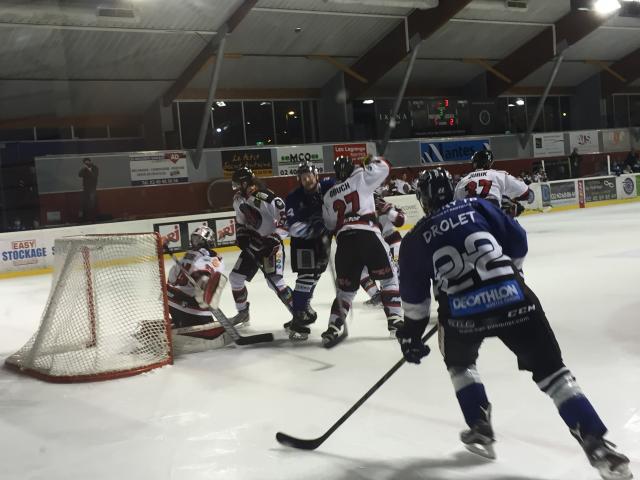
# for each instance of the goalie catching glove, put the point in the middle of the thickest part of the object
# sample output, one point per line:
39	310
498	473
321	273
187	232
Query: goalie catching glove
209	289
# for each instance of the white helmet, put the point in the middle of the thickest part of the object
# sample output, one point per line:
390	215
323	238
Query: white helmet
202	237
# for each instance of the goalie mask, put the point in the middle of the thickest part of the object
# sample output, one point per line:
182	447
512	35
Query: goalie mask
202	237
435	189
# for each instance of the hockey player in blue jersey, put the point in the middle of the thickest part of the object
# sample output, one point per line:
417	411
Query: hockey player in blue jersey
310	245
473	254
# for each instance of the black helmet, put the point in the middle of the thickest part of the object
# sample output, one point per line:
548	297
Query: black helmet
343	166
307	167
242	178
435	189
482	160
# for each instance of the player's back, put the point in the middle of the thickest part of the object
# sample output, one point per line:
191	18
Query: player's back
466	244
261	211
491	185
349	204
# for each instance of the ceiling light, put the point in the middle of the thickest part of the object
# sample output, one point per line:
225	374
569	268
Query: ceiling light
291	112
520	102
606	6
564	114
511	105
221	104
262	104
218	130
297	29
368	101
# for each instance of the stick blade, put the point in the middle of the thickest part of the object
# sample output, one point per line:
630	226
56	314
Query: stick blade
299	443
252	339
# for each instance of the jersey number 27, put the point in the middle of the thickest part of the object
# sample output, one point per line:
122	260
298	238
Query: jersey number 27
340	207
472	188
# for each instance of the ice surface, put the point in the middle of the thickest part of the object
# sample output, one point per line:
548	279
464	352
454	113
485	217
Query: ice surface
214	415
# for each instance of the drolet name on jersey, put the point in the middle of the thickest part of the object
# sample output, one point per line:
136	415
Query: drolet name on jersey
448	224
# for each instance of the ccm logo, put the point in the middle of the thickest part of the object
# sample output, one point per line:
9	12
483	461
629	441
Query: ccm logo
521	311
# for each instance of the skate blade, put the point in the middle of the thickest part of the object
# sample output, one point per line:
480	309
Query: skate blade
297	336
620	473
486	451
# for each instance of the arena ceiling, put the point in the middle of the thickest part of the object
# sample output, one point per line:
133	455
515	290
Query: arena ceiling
74	57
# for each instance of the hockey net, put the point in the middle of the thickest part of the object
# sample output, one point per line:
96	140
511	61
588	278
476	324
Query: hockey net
106	316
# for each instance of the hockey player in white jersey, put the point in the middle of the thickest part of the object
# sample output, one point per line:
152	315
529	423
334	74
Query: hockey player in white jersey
349	211
189	306
260	229
390	218
497	186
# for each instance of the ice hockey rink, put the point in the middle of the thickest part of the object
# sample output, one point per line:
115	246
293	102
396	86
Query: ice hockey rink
214	415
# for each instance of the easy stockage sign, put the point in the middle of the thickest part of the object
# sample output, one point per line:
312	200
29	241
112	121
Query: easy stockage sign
158	168
24	252
600	189
290	157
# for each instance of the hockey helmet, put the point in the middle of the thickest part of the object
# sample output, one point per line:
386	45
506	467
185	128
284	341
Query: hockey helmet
435	189
202	237
482	160
343	166
242	178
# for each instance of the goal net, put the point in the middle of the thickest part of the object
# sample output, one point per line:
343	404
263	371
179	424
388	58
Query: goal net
106	315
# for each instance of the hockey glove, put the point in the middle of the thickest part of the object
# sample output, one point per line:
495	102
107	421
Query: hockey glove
410	343
511	208
243	241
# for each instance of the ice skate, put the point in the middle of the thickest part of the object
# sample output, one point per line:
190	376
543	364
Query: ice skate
479	439
375	300
336	332
311	315
297	326
601	455
241	319
394	323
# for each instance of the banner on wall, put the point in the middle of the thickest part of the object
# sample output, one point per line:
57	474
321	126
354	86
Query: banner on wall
616	140
158	168
173	234
290	157
30	251
258	160
409	205
355	151
599	189
458	151
627	186
585	141
225	231
562	193
548	144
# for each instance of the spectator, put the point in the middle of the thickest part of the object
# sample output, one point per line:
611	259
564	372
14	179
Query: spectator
89	175
525	177
631	162
575	161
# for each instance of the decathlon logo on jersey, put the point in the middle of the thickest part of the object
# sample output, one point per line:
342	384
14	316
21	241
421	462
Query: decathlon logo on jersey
447	224
486	299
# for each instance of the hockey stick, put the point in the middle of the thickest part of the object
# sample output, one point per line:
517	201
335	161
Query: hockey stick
313	443
222	318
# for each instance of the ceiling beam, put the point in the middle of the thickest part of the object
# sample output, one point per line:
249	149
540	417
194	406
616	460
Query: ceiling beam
340	66
209	50
488	67
627	69
535	53
392	48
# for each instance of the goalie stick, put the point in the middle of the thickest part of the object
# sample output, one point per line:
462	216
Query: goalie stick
313	443
222	318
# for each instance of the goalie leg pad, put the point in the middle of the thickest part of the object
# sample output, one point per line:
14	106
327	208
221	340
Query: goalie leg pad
212	288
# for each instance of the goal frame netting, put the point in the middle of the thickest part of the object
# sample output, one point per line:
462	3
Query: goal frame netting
81	263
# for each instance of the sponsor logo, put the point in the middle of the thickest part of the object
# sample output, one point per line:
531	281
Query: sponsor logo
546	193
226	230
608	183
584	139
519	312
628	186
486	299
24	252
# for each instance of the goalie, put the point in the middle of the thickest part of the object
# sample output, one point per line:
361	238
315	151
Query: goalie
189	306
